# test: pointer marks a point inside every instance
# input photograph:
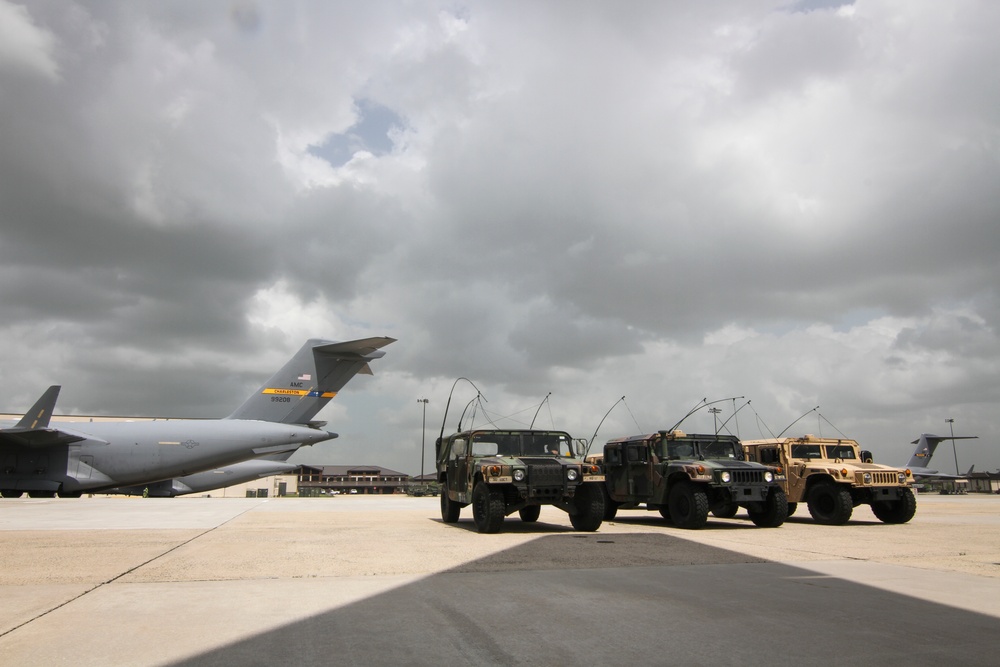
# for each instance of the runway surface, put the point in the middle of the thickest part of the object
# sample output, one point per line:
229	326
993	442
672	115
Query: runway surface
381	580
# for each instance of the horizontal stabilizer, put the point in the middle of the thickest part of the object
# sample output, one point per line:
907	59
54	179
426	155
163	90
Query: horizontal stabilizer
37	437
33	429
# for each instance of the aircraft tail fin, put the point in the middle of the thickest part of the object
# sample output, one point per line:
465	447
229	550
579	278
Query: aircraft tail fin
33	429
310	379
41	412
926	444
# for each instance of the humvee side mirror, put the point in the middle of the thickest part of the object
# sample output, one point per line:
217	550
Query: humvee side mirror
458	447
866	456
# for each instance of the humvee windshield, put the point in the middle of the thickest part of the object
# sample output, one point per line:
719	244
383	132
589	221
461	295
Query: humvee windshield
719	449
705	449
807	452
840	452
527	444
679	449
816	452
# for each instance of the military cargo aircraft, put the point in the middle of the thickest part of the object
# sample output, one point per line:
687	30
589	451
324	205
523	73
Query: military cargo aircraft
43	460
921	458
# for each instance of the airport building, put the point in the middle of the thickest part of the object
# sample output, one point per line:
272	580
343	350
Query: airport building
333	480
984	482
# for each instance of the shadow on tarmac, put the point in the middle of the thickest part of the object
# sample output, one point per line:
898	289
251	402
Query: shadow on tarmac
626	599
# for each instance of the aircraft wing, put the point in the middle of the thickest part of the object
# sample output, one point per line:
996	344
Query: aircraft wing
33	430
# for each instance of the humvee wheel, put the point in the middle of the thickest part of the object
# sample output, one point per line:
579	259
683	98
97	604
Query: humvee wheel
530	513
775	510
610	506
589	501
449	508
726	510
830	504
487	508
896	511
688	505
792	507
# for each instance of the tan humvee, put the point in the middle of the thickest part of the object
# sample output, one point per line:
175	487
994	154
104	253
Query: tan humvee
833	476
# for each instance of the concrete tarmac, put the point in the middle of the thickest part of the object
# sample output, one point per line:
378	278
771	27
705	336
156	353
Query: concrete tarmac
381	580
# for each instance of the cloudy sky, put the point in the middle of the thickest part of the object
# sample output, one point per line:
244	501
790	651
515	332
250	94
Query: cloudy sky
795	202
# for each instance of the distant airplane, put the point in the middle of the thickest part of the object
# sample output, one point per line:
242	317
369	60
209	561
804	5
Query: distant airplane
97	456
926	444
210	480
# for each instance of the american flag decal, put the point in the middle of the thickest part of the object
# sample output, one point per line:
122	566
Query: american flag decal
304	376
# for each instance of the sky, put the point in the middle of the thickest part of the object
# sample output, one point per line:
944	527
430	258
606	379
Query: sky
795	203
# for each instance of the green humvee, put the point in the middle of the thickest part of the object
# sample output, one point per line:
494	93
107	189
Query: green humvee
833	476
500	472
687	476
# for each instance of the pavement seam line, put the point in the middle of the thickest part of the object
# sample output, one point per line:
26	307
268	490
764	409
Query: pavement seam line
128	571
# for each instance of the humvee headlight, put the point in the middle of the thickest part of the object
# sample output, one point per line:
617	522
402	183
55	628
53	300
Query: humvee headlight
902	477
768	476
867	477
572	474
518	475
725	476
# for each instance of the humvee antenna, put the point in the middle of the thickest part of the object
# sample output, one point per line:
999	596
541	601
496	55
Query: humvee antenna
539	409
462	418
591	442
834	427
698	406
723	424
793	423
448	404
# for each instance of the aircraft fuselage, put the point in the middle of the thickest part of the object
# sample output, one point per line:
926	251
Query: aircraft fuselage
115	454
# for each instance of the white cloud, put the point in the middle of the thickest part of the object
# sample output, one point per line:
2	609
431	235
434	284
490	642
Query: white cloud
24	46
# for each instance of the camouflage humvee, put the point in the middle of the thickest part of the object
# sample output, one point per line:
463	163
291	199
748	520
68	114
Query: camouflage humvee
686	476
833	476
501	472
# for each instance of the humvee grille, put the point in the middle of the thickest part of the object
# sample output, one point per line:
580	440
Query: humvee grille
885	478
748	476
545	474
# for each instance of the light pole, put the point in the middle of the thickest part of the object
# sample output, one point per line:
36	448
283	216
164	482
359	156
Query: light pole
423	436
715	417
951	426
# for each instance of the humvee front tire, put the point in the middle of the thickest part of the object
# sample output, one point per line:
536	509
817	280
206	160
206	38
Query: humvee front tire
487	508
792	507
830	504
896	511
688	505
725	510
530	513
449	508
589	501
774	512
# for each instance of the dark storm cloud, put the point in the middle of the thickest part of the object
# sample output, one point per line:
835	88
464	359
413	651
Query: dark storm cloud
790	201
